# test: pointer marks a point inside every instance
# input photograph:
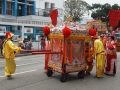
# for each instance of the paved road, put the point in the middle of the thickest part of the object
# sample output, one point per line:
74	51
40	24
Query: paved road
30	76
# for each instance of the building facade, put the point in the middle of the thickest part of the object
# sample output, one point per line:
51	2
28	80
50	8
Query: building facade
17	7
26	18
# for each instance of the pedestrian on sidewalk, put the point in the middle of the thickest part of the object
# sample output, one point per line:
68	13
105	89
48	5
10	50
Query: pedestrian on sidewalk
9	50
43	44
29	44
1	46
19	39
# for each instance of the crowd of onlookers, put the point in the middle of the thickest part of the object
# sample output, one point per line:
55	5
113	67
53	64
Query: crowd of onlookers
25	44
28	45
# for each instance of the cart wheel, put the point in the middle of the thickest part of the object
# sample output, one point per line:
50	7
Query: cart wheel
49	73
81	74
63	78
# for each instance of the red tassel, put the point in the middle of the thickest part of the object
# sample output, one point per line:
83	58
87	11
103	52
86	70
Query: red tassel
46	30
92	32
66	32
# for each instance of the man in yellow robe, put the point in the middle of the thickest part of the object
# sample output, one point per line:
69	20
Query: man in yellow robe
9	50
99	52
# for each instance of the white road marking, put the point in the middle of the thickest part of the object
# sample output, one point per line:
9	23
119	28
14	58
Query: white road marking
22	72
2	61
27	64
16	59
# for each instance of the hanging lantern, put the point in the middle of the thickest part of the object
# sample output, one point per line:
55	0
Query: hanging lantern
110	46
46	30
66	32
92	32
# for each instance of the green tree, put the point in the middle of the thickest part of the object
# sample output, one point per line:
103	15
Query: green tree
100	11
76	8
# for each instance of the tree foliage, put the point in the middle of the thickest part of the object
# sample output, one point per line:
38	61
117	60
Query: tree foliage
100	11
76	8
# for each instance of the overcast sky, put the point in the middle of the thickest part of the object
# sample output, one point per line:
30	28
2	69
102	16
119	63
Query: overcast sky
103	1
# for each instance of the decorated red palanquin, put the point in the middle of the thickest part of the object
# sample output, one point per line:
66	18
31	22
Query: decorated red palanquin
68	41
66	49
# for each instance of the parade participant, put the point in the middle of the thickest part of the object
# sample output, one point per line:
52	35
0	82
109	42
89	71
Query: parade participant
89	59
9	50
110	66
103	40
99	53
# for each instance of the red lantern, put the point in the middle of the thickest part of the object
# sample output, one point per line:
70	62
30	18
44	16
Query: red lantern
92	32
110	46
46	30
66	32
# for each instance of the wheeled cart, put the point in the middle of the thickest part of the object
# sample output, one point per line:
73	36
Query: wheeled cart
69	54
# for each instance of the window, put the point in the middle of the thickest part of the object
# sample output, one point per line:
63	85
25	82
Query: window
29	10
39	30
1	4
46	5
9	8
15	30
0	7
52	5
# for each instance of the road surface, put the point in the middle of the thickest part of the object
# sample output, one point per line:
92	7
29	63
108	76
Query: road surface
30	76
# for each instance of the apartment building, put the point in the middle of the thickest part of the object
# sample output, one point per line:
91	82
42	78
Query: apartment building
27	17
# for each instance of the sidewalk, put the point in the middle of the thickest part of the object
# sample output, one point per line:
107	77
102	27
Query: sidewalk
19	54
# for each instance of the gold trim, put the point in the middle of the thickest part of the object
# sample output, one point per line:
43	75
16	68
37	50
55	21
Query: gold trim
60	36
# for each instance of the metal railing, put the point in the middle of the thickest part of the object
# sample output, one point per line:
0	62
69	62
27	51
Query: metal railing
8	20
33	22
28	22
20	12
23	21
46	12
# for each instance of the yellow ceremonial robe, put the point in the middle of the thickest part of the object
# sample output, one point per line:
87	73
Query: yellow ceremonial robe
8	51
100	57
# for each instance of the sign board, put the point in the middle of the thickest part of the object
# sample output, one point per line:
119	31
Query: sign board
28	30
2	29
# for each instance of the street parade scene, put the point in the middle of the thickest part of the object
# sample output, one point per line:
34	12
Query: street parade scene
61	53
